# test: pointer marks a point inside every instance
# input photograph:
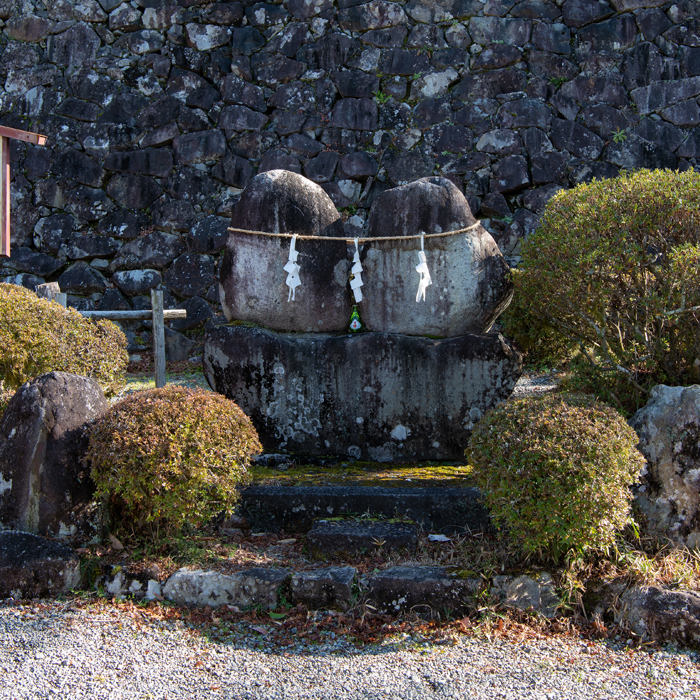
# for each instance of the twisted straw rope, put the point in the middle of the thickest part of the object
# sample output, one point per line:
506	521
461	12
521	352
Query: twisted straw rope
352	240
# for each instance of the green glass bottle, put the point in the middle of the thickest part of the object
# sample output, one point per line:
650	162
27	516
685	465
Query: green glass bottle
355	321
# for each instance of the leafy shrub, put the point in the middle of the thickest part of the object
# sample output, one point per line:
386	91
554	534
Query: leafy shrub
167	457
555	470
39	336
615	266
542	343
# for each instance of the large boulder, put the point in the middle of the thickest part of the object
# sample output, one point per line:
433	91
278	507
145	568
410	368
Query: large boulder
669	437
375	396
34	567
470	278
253	280
45	487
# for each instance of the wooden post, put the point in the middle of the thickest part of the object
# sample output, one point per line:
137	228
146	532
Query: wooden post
4	196
158	337
7	133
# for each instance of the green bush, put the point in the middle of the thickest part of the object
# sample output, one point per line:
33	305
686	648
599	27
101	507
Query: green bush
541	343
39	336
168	457
555	470
615	266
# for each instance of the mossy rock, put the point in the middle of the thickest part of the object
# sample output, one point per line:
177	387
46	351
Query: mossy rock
39	336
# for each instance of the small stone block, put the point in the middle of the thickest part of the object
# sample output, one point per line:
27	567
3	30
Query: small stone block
243	589
331	537
429	591
319	589
34	567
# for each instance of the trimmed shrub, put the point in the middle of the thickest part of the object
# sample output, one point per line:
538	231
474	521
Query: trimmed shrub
541	343
555	470
168	457
615	266
39	336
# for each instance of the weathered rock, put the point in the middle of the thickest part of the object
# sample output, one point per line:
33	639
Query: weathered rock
198	312
371	15
205	37
470	278
356	114
90	245
148	161
122	223
634	153
233	170
350	537
30	28
361	399
45	486
428	591
34	567
174	215
28	260
191	274
576	139
243	589
663	615
133	191
51	231
133	282
155	249
74	48
177	346
253	278
208	235
514	32
578	13
241	118
81	278
402	168
527	593
321	589
191	89
669	436
322	167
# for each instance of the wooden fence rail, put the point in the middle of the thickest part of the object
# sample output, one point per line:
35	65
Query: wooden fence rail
157	314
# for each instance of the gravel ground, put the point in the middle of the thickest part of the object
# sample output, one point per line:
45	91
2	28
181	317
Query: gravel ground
56	650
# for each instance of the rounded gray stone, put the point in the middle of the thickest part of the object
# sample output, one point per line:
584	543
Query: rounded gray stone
253	280
470	278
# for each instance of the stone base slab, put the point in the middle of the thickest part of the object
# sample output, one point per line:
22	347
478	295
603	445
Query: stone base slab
374	396
294	508
351	537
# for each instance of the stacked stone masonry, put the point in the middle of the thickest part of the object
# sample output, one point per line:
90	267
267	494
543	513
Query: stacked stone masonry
158	114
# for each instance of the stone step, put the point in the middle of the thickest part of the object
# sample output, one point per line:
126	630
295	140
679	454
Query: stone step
351	537
294	508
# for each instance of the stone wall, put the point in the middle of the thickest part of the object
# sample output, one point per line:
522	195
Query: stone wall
158	114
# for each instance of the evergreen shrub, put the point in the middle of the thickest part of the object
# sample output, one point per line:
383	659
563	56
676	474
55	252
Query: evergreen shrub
615	267
39	336
164	458
555	471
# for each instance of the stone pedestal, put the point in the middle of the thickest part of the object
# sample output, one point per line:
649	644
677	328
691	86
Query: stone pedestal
375	396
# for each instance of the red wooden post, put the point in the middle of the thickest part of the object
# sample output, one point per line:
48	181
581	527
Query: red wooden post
7	133
5	196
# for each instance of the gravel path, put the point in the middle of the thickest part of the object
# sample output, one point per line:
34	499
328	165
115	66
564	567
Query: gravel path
52	650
